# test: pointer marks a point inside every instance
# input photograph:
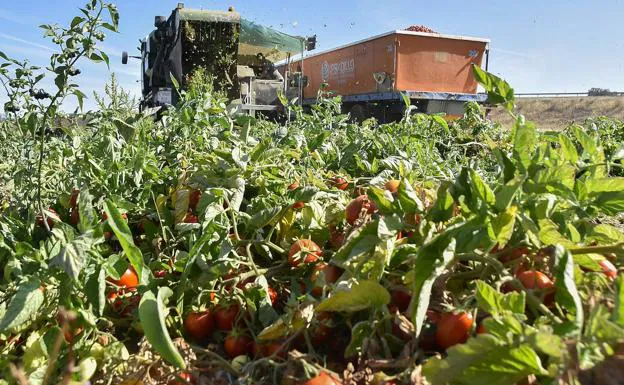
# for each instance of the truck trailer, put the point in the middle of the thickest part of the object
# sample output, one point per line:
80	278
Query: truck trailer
372	75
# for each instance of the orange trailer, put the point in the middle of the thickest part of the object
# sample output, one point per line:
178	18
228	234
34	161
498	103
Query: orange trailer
371	75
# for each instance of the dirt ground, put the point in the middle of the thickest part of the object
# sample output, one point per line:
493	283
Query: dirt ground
557	113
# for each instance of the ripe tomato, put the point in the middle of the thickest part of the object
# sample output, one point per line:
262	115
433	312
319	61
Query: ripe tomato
298	205
199	325
392	185
401	298
272	295
51	217
160	273
532	279
293	186
186	378
190	218
608	269
128	279
304	250
336	237
323	379
226	317
513	254
105	216
357	206
74	216
73	199
453	329
331	274
481	328
275	348
124	303
340	183
194	197
237	345
321	330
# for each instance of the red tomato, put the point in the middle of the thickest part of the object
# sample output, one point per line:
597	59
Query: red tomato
74	216
226	317
128	279
51	217
433	316
340	183
199	325
124	303
357	206
105	216
73	199
323	379
293	186
272	295
190	218
608	268
298	205
320	331
532	279
160	273
401	298
304	250
237	345
275	349
336	237
392	185
453	329
194	197
186	378
331	274
481	329
513	254
71	333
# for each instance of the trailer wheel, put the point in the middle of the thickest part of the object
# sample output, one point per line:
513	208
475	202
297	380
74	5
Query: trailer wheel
358	113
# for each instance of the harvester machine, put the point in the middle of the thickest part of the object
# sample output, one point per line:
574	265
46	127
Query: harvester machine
237	54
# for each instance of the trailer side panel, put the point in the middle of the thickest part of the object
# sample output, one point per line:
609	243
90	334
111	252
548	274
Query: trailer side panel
433	64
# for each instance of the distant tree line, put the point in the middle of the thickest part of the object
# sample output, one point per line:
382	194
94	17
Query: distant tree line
601	92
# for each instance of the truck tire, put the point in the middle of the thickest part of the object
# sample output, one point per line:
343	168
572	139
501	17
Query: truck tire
358	113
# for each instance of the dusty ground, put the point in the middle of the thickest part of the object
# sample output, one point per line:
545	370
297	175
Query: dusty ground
557	113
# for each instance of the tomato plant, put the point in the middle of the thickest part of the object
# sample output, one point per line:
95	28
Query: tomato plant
190	240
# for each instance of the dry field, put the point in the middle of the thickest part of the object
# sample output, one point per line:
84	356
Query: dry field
556	113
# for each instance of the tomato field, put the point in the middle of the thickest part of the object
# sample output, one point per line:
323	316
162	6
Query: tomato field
208	248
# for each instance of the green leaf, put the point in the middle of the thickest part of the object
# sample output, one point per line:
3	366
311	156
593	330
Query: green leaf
482	190
73	255
599	185
525	142
442	209
485	360
503	225
506	193
609	203
122	231
618	311
23	306
95	290
568	149
384	203
567	294
363	295
410	202
153	313
174	81
359	333
498	90
430	262
494	302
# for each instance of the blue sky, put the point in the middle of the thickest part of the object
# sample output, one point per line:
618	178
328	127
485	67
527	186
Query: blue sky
538	46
